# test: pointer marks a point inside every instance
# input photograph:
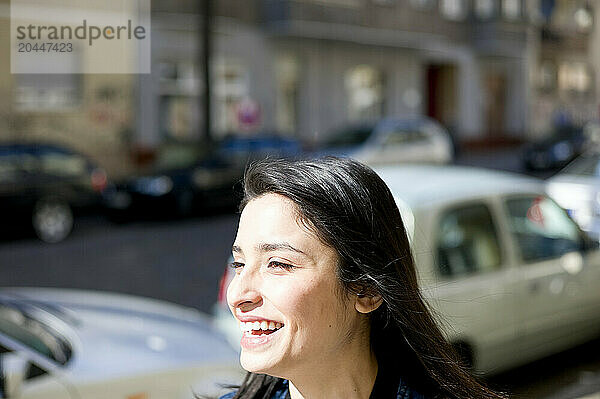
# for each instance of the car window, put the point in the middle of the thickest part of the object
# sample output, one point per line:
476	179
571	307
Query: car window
402	136
14	161
542	229
349	136
19	326
467	242
63	164
9	167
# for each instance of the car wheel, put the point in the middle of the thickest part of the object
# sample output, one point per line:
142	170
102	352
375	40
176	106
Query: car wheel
185	203
52	220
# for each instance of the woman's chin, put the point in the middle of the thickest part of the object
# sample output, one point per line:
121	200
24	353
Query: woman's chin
258	364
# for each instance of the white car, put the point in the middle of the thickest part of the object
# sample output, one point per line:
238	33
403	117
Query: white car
577	189
393	141
508	273
68	344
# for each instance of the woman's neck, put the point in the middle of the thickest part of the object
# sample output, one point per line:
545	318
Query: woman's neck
348	377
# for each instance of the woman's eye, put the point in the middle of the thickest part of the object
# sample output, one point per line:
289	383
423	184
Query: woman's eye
281	265
236	265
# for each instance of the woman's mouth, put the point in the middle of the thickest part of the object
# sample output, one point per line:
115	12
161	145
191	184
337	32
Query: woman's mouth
258	328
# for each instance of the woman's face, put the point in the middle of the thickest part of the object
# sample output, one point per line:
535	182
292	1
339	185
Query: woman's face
285	294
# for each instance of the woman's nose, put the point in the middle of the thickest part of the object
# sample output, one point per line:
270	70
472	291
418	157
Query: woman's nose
243	291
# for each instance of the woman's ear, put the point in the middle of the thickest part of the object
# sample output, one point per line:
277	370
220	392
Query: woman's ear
367	303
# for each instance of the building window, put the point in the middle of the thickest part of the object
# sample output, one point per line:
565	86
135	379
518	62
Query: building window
547	76
47	92
511	9
485	9
231	88
179	117
287	73
364	88
179	77
179	105
584	19
422	4
454	10
574	77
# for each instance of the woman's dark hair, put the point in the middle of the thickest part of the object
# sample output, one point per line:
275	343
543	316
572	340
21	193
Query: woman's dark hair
349	207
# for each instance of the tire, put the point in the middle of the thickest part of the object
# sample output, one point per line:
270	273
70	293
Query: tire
52	220
184	203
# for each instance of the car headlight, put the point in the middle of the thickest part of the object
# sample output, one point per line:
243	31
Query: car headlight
155	186
562	150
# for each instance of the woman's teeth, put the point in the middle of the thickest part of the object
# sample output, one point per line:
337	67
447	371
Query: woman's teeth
259	327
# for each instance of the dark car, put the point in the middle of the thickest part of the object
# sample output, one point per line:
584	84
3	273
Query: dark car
182	181
176	191
42	186
563	145
242	148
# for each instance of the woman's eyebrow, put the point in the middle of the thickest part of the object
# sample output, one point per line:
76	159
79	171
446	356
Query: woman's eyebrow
270	247
236	249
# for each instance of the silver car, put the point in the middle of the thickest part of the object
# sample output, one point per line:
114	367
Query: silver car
67	344
510	275
393	141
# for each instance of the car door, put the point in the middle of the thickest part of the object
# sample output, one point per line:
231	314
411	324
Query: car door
475	292
558	273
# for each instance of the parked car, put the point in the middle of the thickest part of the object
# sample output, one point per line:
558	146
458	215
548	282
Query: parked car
42	185
244	148
176	188
392	140
556	150
508	273
184	181
67	344
577	189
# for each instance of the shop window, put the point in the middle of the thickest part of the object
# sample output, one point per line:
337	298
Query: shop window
455	10
485	9
364	88
287	73
53	92
467	242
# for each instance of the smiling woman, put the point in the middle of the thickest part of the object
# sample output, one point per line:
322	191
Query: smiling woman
326	293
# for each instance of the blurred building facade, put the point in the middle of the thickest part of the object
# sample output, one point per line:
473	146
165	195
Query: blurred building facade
490	70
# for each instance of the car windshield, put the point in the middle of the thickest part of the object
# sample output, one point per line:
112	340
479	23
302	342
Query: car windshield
585	165
566	132
20	326
349	136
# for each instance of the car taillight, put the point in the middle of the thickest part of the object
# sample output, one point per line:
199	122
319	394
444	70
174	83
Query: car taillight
99	180
223	284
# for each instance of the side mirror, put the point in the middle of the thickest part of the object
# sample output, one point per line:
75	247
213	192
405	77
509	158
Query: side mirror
13	371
